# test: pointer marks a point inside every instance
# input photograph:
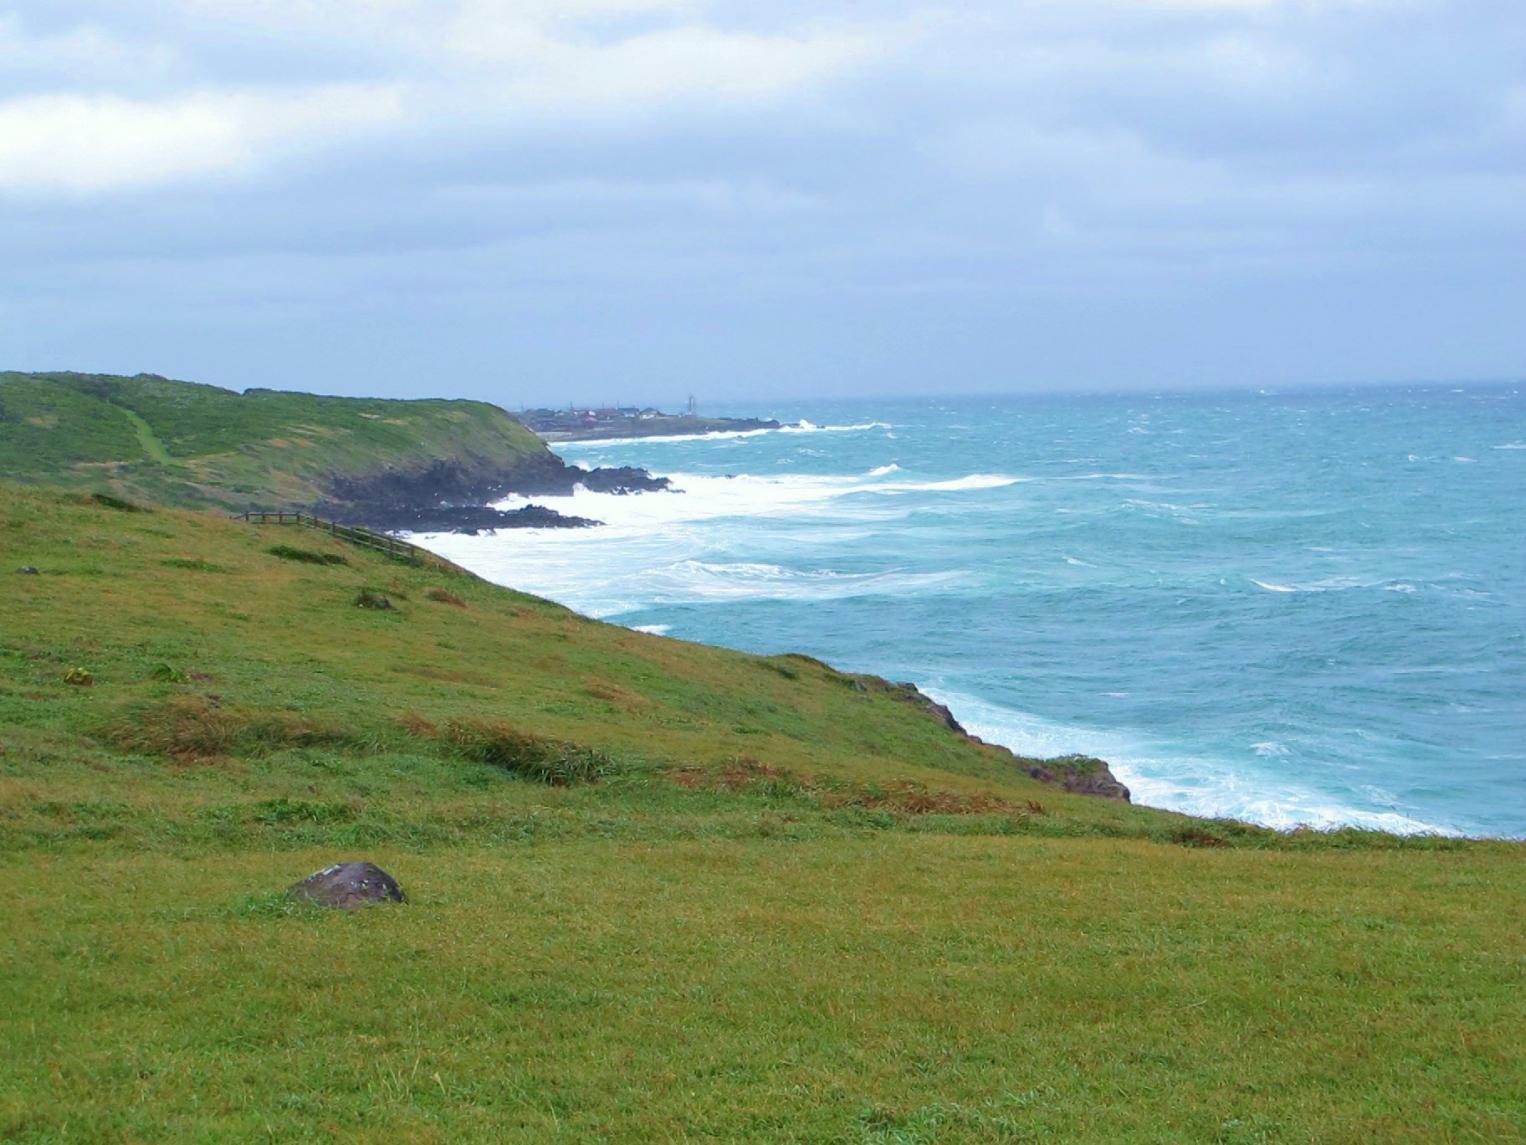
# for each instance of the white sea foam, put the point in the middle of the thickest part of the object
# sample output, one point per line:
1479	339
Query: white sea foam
1162	509
952	485
1157	776
608	572
1336	584
1511	445
719	435
652	629
806	427
1271	587
693	580
653	546
704	497
883	470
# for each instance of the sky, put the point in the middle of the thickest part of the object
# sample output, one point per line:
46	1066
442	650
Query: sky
594	200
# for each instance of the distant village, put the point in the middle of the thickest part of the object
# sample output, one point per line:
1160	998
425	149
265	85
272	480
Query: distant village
591	423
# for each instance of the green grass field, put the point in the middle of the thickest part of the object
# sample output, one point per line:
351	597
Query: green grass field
789	907
182	443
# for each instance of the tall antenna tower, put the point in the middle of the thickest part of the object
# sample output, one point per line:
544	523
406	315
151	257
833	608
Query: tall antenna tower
693	409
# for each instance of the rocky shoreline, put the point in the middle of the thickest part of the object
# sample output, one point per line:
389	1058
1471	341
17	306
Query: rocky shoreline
454	497
1079	774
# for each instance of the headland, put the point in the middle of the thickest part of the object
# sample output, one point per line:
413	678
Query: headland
603	423
424	465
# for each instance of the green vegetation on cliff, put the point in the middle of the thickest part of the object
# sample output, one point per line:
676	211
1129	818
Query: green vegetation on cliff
188	444
659	891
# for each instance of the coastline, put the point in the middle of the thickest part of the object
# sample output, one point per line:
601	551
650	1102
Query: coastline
800	540
1109	777
452	497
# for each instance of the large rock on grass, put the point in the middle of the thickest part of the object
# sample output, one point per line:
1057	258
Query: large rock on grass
346	886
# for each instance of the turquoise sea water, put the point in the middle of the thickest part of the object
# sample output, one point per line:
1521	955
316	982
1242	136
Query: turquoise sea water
1288	608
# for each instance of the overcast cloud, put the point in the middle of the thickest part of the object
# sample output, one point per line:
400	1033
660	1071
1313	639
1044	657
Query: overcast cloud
542	200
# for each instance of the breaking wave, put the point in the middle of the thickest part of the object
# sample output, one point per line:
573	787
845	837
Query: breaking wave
1159	775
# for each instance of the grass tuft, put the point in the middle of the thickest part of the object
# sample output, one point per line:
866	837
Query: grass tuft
199	727
110	502
1196	836
445	596
276	812
306	556
552	762
276	904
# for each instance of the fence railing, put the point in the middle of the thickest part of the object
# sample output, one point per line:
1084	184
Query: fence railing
353	534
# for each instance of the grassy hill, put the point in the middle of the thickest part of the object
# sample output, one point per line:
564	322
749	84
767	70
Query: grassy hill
182	443
659	891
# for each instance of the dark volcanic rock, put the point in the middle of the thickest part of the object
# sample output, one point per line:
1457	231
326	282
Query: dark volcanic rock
1082	774
451	482
622	479
447	496
27	570
347	886
470	519
911	694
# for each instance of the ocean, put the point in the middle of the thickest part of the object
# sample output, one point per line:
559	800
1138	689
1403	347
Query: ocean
1288	608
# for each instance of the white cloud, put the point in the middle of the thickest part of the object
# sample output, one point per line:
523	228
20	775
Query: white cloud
89	143
711	196
85	51
104	113
579	57
573	56
539	72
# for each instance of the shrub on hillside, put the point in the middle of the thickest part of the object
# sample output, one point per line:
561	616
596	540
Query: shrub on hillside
306	556
197	727
110	502
547	761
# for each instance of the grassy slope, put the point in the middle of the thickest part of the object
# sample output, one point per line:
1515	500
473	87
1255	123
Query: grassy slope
645	958
189	444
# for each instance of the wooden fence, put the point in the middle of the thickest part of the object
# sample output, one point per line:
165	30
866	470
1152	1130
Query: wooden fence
354	534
